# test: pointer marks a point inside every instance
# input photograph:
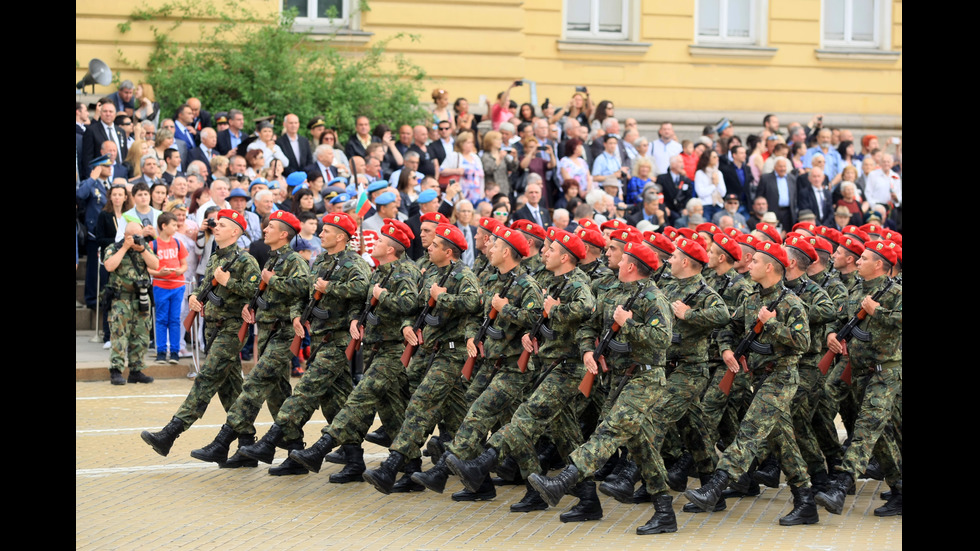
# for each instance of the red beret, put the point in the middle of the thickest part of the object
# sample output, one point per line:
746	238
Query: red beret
700	240
513	238
774	250
434	217
693	249
732	232
809	227
799	242
397	231
572	243
852	244
885	249
820	244
892	235
588	223
529	228
872	229
729	245
670	232
613	225
708	227
287	218
857	232
626	234
233	215
659	241
644	255
830	234
343	221
551	231
769	231
748	240
452	234
684	232
488	225
591	236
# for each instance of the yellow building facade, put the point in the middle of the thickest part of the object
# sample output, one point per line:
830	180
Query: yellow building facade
690	61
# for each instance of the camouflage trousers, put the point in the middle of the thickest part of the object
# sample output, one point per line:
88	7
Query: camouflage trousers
539	413
629	423
452	414
221	373
381	391
504	392
721	413
267	382
326	384
875	413
802	410
836	396
129	331
440	387
680	401
768	422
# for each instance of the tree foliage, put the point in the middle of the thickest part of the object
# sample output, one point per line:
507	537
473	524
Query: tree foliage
263	67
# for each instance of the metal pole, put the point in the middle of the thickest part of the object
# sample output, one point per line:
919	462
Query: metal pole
98	283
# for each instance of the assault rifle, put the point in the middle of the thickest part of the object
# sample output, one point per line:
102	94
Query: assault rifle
585	387
747	343
423	319
484	329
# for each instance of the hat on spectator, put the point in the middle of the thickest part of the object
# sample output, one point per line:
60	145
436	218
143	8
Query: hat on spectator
644	255
773	250
101	160
258	181
315	122
377	186
799	242
572	243
221	118
513	238
296	178
426	196
729	245
302	186
769	230
301	244
340	198
287	218
721	125
453	235
338	180
238	192
887	250
806	214
341	220
732	197
234	217
385	198
398	231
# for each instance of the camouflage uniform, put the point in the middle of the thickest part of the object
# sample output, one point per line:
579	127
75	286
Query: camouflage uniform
533	265
689	352
222	370
443	349
268	382
505	388
417	365
129	329
550	400
327	381
768	418
877	377
628	422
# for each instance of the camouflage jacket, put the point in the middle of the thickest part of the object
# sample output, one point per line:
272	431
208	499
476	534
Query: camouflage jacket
397	302
733	288
830	281
241	285
577	305
284	296
460	302
788	332
533	265
692	335
131	269
647	333
820	311
347	275
514	320
885	326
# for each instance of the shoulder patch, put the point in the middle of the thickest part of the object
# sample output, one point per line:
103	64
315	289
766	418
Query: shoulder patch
253	278
798	327
655	322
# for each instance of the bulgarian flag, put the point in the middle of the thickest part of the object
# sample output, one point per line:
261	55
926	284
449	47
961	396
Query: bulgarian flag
363	205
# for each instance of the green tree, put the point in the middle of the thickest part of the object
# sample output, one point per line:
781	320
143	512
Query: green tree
263	67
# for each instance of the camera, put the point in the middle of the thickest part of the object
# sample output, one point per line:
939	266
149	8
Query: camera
211	223
139	240
581	89
143	286
518	83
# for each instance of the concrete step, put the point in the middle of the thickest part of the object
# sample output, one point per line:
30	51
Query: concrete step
84	319
80	290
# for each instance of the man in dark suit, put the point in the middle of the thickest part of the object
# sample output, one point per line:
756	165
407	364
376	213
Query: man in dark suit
533	210
203	152
357	144
100	131
296	147
678	189
444	145
322	164
202	118
233	136
815	196
738	175
649	210
779	189
428	203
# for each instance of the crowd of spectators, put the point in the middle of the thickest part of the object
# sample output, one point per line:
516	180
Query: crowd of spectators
553	164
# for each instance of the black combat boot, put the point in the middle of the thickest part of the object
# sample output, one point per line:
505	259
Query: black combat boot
768	473
743	486
265	449
677	475
485	492
336	457
720	506
508	469
405	483
312	457
383	478
873	470
620	465
550	458
608	468
819	481
621	487
138	377
289	467
530	502
354	467
435	478
162	441
435	448
588	506
641	495
379	437
663	520
217	450
472	473
116	377
553	488
709	494
804	508
240	460
833	499
893	507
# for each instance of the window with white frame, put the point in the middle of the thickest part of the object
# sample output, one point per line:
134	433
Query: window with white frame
728	21
854	23
320	14
597	19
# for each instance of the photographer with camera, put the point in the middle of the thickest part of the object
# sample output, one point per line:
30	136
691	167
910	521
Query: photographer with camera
129	318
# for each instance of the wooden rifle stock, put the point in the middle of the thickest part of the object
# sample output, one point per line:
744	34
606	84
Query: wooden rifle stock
355	344
743	347
420	321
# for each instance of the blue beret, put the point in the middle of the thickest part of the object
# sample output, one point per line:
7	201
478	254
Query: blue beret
342	198
377	186
238	192
384	198
338	180
427	195
261	181
301	186
296	178
102	160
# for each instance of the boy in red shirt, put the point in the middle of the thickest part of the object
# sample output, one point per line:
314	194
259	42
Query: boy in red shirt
168	287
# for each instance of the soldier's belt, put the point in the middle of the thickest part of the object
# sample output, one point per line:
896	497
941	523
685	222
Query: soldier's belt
129	288
879	366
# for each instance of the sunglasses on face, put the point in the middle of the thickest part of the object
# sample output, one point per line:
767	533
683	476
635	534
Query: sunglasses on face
500	213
